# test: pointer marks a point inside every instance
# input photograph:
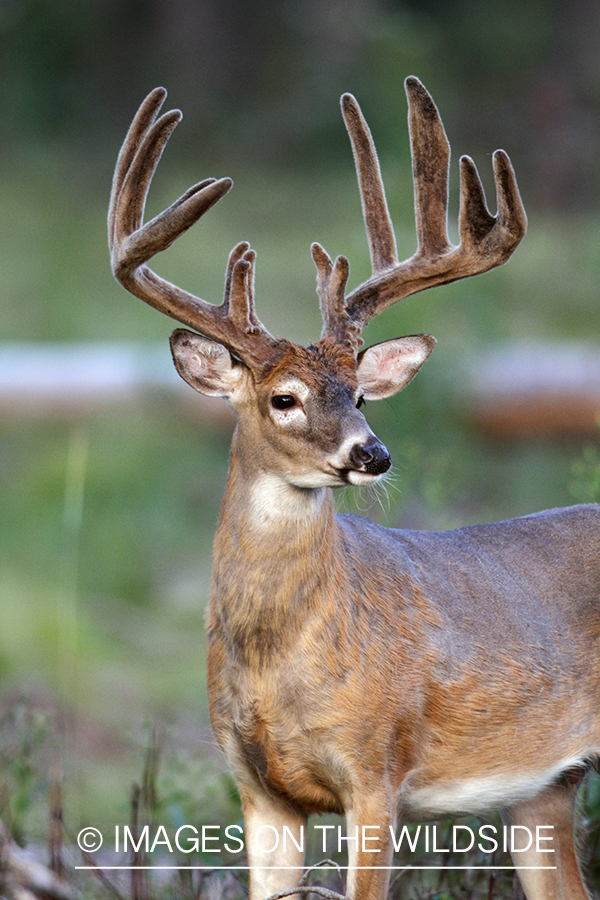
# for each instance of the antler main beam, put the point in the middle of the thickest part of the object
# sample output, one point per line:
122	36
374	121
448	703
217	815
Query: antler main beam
486	241
132	244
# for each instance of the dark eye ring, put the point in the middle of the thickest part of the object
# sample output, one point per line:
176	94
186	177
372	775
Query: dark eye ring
360	402
283	401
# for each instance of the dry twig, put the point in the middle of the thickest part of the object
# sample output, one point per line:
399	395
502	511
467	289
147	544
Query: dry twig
25	878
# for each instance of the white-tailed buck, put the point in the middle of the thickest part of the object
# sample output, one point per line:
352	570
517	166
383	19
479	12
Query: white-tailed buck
352	668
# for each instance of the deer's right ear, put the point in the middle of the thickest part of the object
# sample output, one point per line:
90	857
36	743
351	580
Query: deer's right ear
207	366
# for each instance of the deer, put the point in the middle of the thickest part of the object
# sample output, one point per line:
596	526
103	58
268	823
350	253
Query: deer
381	674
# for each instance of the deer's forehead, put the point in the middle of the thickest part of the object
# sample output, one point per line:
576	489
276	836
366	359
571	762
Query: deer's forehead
318	369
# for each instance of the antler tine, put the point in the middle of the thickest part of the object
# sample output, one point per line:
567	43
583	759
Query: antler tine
132	244
236	254
380	231
324	266
486	241
331	285
511	212
142	121
241	295
430	152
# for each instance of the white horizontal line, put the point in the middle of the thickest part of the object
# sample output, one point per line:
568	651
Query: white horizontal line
263	868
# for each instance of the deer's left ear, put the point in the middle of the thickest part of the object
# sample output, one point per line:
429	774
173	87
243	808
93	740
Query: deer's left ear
384	369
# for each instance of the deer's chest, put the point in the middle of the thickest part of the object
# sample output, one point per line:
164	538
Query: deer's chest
292	766
275	731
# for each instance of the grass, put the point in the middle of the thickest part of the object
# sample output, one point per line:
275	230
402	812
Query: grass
105	627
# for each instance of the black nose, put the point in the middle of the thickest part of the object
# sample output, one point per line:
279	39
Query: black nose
372	458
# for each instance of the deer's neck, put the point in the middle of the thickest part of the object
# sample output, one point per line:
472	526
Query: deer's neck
277	550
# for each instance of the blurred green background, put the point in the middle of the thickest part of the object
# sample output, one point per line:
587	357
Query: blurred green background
108	510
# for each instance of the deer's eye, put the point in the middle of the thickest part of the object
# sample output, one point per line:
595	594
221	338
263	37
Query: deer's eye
360	402
283	401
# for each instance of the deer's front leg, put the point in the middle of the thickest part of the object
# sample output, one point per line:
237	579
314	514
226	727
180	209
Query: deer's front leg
549	875
275	837
370	849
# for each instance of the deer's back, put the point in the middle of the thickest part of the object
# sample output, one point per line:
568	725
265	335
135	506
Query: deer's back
539	571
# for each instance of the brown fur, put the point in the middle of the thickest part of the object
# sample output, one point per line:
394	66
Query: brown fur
324	360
